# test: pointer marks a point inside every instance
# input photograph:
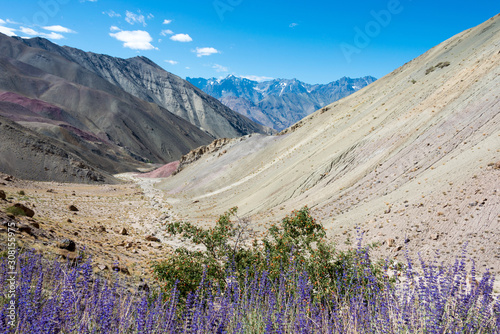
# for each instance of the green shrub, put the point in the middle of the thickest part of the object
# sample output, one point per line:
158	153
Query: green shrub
295	245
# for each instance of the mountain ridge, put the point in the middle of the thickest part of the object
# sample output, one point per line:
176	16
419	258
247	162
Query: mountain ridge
105	126
148	81
277	103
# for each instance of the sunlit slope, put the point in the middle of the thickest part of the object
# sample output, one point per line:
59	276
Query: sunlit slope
431	123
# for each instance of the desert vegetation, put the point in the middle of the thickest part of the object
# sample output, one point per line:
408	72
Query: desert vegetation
292	281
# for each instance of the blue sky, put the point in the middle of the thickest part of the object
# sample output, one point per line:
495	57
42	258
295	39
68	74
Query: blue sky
313	41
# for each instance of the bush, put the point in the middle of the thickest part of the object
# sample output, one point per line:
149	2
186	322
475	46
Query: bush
297	244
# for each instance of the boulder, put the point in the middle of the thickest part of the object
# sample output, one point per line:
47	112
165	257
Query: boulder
72	208
24	228
152	238
3	196
27	211
67	244
123	231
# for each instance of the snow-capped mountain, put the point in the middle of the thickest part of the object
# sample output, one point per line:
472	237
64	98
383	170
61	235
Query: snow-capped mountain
277	103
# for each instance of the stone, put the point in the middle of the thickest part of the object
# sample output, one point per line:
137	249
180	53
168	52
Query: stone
102	267
391	242
123	231
434	236
35	224
152	238
27	211
8	178
69	220
72	208
25	229
67	244
3	196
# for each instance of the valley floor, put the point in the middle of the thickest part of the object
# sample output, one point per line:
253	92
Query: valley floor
121	226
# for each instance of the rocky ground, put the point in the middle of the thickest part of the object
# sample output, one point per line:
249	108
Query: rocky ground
118	225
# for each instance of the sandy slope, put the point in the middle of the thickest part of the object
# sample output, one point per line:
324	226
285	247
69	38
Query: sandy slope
411	156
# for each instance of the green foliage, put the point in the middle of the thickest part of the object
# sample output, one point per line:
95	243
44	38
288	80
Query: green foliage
185	270
296	244
14	210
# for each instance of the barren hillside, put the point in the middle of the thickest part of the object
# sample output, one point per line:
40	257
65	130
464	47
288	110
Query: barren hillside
412	159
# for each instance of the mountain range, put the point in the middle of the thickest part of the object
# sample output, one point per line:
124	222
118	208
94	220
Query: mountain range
277	103
113	114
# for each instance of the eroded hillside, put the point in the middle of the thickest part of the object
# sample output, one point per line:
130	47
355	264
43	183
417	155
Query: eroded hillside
412	159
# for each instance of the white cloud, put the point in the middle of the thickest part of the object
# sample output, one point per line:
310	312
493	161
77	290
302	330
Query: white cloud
166	32
52	35
188	68
207	51
31	32
181	38
114	28
293	25
58	28
220	68
133	18
256	78
167	21
112	13
172	62
150	16
136	40
7	31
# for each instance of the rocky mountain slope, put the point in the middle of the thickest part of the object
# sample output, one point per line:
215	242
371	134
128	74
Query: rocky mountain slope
146	80
31	156
107	127
412	160
277	103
